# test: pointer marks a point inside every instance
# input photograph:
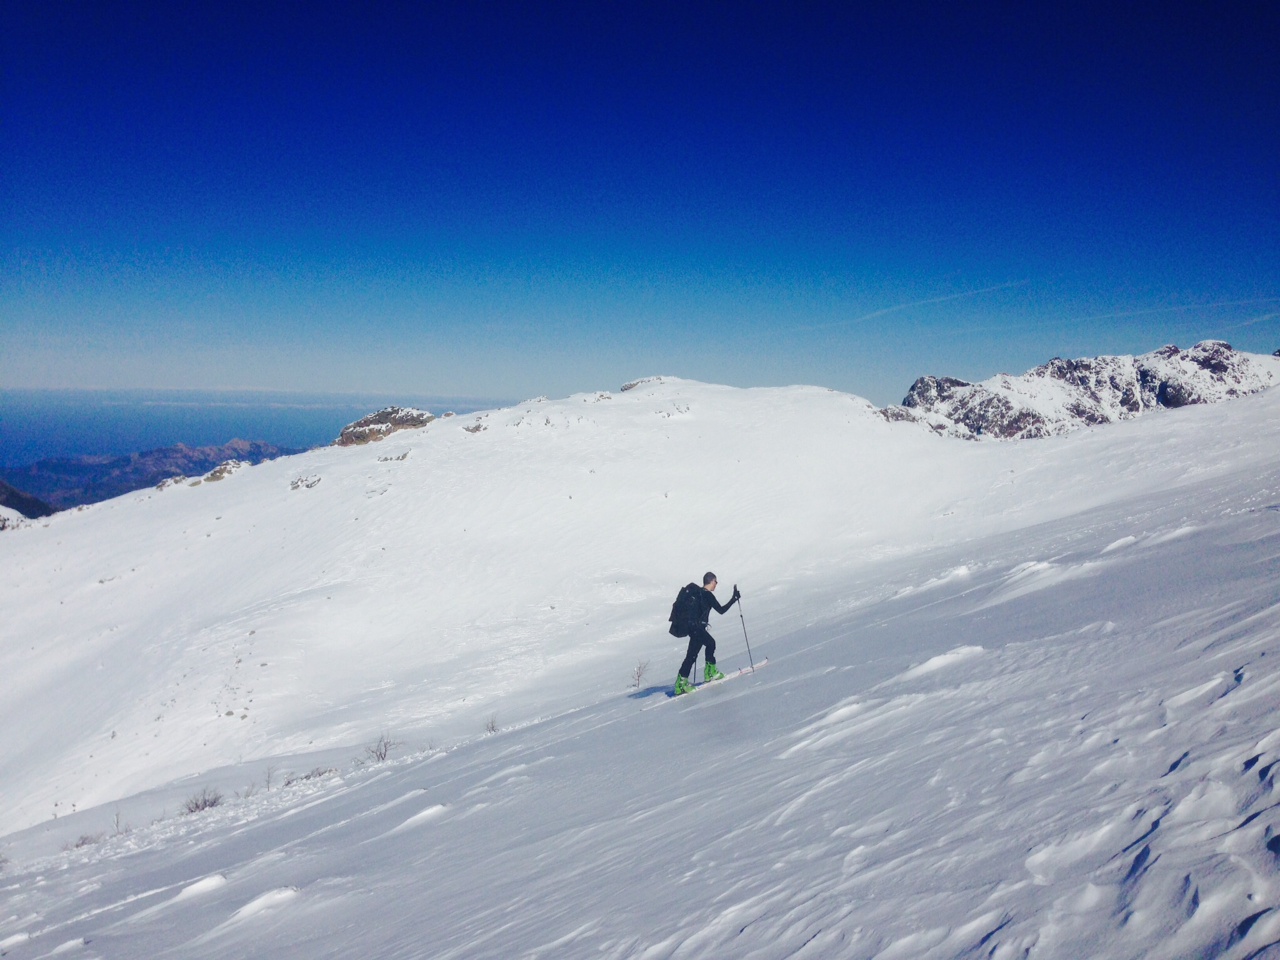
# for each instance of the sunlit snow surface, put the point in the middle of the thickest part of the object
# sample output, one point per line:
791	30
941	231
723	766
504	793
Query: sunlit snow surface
1020	698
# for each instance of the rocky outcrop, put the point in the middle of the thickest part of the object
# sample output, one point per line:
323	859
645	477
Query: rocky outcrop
643	380
1065	395
72	481
378	426
224	470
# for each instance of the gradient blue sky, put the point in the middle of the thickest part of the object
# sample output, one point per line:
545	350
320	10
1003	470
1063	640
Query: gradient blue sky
513	200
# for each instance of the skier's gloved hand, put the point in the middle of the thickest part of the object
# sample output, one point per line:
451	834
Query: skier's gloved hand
736	594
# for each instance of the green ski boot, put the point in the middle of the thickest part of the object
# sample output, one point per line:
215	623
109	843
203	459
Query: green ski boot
683	686
712	673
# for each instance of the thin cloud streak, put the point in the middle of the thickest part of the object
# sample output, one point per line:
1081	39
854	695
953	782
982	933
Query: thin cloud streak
1189	306
1254	322
1046	322
915	303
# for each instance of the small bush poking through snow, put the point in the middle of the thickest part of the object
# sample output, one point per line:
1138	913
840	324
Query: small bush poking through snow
637	674
491	725
203	800
379	752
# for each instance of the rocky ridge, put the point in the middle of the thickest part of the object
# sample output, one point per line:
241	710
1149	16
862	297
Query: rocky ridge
378	426
1065	395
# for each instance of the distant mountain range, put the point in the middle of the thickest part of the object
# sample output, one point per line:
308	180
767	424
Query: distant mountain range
25	504
60	483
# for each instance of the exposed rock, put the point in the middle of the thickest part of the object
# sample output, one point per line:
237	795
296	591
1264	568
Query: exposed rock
643	380
897	414
224	470
1064	395
72	481
378	426
927	392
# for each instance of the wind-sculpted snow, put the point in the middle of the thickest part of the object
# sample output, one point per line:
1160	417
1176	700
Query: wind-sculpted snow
1065	395
1019	701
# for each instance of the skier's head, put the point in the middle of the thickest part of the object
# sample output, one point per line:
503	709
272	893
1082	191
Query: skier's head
709	580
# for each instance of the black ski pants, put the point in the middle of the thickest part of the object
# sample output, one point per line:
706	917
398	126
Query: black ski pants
698	639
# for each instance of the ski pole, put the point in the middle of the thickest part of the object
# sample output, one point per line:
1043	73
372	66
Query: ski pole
750	659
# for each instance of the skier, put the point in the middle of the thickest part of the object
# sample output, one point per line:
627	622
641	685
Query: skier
696	614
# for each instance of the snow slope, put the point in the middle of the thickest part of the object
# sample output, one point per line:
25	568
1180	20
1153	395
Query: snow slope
1018	701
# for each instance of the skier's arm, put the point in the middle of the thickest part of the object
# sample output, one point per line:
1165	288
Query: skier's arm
732	600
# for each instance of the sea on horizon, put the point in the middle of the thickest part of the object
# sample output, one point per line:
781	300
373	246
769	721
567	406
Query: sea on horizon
43	424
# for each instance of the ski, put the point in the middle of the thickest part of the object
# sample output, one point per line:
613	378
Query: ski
727	677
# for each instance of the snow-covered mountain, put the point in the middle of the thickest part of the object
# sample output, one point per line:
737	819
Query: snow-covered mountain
1019	698
1064	395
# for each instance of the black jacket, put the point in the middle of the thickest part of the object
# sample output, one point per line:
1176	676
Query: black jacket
707	602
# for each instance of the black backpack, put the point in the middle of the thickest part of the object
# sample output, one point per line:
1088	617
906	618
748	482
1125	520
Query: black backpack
685	611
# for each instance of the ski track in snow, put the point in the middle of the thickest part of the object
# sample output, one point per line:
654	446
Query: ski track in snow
1043	727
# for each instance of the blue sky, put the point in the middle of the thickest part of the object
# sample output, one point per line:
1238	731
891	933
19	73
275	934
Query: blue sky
513	200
